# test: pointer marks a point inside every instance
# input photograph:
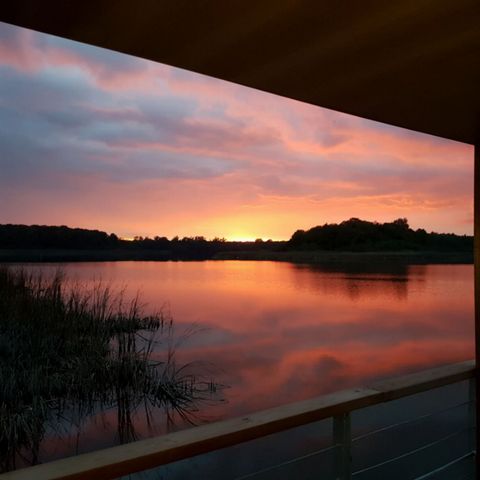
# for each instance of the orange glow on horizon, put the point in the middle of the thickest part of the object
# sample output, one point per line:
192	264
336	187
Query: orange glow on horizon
241	239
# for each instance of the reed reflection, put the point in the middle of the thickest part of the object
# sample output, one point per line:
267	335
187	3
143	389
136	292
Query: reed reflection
68	354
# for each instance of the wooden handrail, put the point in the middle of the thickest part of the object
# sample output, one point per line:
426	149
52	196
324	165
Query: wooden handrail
133	457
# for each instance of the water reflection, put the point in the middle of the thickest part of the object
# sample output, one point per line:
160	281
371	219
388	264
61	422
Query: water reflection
281	332
357	280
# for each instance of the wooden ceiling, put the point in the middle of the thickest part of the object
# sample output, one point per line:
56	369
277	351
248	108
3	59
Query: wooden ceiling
410	63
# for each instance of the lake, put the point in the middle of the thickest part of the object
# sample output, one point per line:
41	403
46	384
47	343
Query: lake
275	332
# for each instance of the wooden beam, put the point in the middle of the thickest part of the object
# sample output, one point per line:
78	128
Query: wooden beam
121	460
410	63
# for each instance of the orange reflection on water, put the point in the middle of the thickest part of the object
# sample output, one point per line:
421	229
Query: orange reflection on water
279	332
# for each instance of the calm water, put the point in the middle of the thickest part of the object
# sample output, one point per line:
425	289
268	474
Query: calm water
279	332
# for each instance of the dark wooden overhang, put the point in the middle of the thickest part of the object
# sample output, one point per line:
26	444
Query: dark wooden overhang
410	63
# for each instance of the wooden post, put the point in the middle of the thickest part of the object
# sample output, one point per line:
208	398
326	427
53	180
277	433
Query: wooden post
342	437
476	249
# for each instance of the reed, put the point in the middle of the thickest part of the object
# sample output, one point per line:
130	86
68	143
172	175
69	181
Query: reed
67	352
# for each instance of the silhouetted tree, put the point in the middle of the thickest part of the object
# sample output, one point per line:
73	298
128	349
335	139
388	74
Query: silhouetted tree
360	235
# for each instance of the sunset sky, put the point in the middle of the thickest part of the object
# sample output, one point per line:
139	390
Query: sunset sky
96	139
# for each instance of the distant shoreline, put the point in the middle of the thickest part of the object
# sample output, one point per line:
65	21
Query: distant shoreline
316	256
313	256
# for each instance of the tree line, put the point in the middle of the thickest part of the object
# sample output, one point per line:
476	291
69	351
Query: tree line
42	237
360	235
350	235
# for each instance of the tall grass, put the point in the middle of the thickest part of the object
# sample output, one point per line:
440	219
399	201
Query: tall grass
67	352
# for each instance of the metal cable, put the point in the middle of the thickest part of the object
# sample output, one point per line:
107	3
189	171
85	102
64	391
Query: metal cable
406	422
288	462
411	452
444	467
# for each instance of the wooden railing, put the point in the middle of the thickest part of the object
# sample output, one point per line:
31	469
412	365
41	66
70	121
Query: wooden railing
121	460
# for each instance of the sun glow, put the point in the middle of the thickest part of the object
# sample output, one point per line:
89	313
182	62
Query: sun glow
240	238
